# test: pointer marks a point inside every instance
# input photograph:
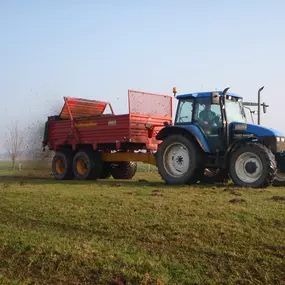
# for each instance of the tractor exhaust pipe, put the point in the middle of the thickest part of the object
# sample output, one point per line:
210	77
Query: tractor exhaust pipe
258	106
225	91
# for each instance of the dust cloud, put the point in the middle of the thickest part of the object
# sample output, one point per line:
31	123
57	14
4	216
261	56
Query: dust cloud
35	158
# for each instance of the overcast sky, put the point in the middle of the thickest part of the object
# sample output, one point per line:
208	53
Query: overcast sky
100	49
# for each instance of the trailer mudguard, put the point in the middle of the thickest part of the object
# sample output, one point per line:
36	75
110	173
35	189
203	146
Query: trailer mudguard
191	130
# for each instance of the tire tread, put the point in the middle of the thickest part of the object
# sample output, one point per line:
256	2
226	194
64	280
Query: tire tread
124	170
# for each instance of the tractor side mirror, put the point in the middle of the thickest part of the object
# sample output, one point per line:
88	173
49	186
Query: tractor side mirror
264	107
215	99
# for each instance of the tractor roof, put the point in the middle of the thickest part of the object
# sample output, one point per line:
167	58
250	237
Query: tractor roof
205	94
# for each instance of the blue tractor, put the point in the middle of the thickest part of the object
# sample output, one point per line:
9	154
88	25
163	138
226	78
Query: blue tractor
211	141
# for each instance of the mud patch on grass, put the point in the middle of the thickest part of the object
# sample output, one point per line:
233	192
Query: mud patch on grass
234	201
156	192
116	185
143	181
278	198
232	192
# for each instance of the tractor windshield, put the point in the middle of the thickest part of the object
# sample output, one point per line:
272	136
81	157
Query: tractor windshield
235	111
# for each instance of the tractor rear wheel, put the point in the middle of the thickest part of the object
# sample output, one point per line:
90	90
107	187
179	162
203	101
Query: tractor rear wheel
62	165
252	165
87	165
124	170
178	160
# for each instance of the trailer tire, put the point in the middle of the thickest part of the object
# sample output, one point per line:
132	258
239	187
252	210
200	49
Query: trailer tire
179	160
87	165
252	165
124	170
62	165
106	171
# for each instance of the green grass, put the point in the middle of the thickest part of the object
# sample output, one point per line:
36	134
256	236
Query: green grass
138	232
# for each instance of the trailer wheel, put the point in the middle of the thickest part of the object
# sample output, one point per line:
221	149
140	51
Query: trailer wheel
62	165
178	160
106	171
124	170
87	165
252	165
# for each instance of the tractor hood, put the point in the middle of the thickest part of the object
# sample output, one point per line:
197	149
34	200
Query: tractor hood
257	130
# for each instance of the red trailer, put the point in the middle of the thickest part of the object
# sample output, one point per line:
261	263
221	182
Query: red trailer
91	142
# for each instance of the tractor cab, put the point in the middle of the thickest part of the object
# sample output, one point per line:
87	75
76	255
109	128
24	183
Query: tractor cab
213	113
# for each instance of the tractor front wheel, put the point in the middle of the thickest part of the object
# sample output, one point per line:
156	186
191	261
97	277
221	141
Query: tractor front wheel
252	165
279	179
178	160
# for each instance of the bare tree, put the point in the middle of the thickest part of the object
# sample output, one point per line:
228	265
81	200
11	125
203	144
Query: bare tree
13	143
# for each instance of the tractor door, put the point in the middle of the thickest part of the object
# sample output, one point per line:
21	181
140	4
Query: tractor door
184	112
208	117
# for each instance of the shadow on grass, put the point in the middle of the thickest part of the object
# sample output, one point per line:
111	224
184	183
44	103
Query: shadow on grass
153	181
25	222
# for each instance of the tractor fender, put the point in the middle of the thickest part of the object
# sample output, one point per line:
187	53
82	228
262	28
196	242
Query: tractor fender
191	130
236	144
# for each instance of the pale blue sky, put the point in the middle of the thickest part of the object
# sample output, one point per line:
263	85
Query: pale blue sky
99	49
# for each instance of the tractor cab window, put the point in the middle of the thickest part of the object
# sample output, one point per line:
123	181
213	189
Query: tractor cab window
184	111
208	116
235	111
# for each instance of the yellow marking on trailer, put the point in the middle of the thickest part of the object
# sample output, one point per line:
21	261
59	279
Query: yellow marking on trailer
86	125
128	156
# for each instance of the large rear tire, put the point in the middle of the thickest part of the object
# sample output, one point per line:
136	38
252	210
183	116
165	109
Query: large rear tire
252	165
62	165
178	160
124	170
87	165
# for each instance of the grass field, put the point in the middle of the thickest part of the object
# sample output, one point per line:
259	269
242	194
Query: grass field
137	232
